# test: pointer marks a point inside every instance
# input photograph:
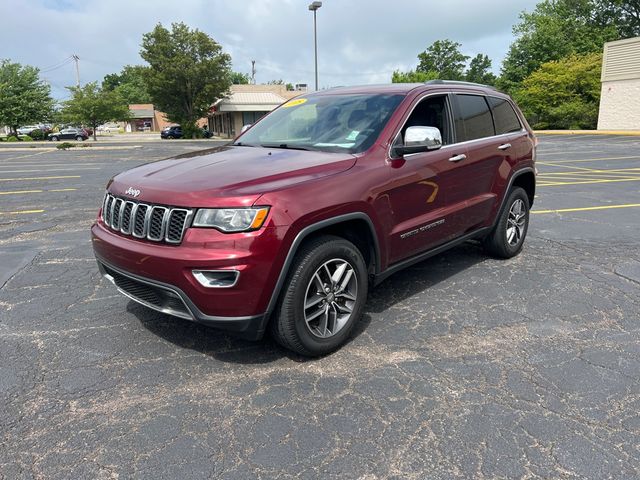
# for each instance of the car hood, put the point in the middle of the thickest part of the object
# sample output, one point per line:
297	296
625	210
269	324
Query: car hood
239	174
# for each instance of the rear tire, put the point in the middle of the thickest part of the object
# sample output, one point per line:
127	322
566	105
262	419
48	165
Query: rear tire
322	298
79	138
507	238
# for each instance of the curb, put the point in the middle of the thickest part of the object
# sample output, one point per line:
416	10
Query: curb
77	149
630	133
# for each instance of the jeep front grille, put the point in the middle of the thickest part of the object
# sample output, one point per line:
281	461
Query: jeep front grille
152	222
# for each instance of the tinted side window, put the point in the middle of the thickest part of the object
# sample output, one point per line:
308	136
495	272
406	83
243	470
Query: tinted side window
431	112
504	116
473	118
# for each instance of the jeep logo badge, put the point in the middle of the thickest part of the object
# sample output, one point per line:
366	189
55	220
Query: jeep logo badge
133	192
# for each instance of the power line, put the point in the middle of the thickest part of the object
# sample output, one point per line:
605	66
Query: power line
55	66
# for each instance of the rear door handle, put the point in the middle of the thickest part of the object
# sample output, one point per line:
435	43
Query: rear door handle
458	158
504	146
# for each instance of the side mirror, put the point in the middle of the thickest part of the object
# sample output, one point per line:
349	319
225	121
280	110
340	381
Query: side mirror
419	139
245	127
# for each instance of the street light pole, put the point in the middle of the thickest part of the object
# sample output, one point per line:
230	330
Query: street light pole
314	6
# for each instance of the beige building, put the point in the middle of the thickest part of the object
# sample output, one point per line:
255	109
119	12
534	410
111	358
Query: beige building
244	105
620	97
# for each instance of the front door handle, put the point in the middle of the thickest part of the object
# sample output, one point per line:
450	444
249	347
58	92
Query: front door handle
504	146
458	158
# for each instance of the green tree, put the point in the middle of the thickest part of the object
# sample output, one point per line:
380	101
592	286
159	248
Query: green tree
557	29
479	70
238	78
563	93
188	72
413	76
24	97
129	84
626	14
445	58
92	106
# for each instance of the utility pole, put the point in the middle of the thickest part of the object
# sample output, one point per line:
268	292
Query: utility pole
76	59
253	72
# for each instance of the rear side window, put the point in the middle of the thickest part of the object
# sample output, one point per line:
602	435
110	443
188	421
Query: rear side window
473	118
504	116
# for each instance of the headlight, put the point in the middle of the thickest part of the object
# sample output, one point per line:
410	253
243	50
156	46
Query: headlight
231	219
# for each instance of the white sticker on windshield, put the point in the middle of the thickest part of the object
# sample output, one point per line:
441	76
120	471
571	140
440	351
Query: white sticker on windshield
352	136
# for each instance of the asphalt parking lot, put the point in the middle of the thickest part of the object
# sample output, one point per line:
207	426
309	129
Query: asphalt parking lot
463	366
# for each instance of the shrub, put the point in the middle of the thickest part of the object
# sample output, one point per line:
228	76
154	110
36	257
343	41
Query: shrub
65	146
12	138
563	94
26	138
37	134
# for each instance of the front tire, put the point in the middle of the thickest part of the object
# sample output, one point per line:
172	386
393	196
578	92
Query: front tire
323	297
507	238
53	138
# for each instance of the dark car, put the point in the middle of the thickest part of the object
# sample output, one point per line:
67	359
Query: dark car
171	132
286	228
69	133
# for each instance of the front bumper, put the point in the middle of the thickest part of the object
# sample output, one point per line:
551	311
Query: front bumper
160	276
171	300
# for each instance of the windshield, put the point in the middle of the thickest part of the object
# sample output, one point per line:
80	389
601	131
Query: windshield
331	123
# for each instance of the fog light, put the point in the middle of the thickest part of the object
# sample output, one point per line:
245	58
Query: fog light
216	278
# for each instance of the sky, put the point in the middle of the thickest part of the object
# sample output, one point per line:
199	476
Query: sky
359	42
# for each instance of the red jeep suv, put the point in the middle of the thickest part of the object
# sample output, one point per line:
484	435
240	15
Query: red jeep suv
287	227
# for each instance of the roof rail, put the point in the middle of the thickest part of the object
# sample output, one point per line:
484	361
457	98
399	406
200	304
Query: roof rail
458	82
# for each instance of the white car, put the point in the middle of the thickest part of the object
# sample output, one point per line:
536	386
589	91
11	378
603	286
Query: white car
27	129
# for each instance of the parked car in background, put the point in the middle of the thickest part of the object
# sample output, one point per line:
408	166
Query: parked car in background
285	229
108	128
174	131
26	130
69	133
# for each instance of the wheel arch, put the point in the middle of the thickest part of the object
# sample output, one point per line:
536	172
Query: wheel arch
357	227
527	181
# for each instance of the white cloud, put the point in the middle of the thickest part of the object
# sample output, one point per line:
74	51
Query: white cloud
358	41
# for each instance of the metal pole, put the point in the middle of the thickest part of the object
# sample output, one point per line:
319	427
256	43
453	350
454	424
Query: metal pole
315	44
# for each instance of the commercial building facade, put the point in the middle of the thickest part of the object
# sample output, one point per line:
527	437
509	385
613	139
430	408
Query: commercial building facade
244	105
620	94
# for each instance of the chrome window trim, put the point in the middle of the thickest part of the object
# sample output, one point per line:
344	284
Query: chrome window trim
451	145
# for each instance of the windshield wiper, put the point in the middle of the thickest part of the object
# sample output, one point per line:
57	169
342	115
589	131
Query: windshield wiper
283	145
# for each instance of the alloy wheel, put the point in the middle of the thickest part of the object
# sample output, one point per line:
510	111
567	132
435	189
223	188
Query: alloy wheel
516	222
330	298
